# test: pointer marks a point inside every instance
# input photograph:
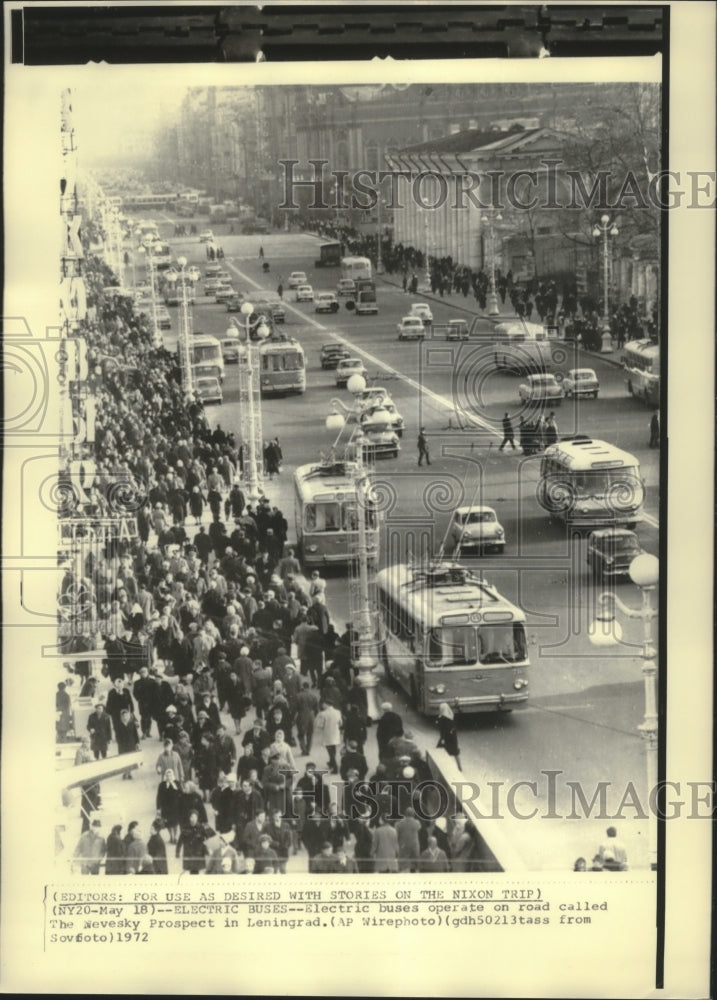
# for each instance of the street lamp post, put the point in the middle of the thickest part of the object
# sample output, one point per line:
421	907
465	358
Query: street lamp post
605	229
363	616
156	332
490	221
605	631
250	402
185	332
427	276
379	262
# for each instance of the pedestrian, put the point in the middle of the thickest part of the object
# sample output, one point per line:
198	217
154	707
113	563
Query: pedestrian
389	725
127	737
407	830
612	852
91	848
655	430
327	726
448	738
115	857
423	447
508	434
191	845
433	859
280	290
550	429
169	797
261	253
157	849
100	730
385	847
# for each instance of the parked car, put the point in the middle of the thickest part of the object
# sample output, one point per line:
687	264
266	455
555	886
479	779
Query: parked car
581	382
331	354
208	389
346	287
325	302
476	528
206	236
423	310
304	293
411	328
543	388
297	278
611	550
348	367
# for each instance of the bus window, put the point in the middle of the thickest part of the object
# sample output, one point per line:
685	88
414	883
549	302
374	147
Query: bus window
322	517
293	362
453	646
502	644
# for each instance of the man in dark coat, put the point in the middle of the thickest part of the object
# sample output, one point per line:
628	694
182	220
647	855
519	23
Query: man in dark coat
146	692
118	698
388	726
127	736
100	730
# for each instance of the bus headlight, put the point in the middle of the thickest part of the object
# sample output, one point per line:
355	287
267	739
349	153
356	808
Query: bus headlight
438	689
313	548
520	684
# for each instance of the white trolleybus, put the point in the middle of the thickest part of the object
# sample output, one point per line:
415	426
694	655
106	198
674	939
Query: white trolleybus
591	484
207	356
522	347
355	267
283	366
447	635
325	512
641	359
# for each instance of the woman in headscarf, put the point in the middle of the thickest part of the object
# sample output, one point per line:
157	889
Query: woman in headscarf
115	863
169	798
448	732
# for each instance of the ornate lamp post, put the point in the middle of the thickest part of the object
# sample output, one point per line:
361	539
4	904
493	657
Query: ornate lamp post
250	401
606	631
156	332
605	229
362	612
490	221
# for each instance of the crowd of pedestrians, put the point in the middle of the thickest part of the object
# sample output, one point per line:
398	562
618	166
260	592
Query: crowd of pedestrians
216	648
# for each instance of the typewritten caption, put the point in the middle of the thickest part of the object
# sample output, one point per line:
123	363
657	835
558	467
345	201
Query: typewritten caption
134	916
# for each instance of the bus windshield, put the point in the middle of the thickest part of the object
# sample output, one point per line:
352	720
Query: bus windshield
323	516
594	482
205	352
291	361
465	645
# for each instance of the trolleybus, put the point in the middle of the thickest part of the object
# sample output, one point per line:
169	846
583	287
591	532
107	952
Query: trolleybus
283	366
325	512
355	267
590	483
207	357
449	636
641	359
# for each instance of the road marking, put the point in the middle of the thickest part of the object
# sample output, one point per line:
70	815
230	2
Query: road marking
435	396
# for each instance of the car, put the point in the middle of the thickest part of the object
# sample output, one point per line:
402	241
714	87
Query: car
325	302
304	293
224	276
387	405
268	303
212	269
211	285
476	528
297	278
610	552
581	382
379	441
173	296
457	329
224	293
411	328
543	388
348	367
423	310
206	236
331	354
346	287
208	389
230	349
164	320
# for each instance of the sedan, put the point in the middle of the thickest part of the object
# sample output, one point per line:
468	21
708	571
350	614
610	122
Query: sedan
208	389
212	285
297	278
304	293
478	528
543	388
348	367
422	310
581	382
411	328
331	354
346	286
224	293
234	303
212	269
610	552
325	302
206	236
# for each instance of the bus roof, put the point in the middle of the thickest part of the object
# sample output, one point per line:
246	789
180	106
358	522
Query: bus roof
204	340
644	347
453	592
335	479
355	260
582	452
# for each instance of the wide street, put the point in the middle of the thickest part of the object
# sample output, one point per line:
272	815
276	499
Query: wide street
585	704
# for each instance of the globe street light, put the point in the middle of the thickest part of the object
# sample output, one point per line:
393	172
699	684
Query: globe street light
362	613
156	332
185	331
250	402
604	229
490	220
605	631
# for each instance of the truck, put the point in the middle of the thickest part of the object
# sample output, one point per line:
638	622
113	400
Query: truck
365	297
329	254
